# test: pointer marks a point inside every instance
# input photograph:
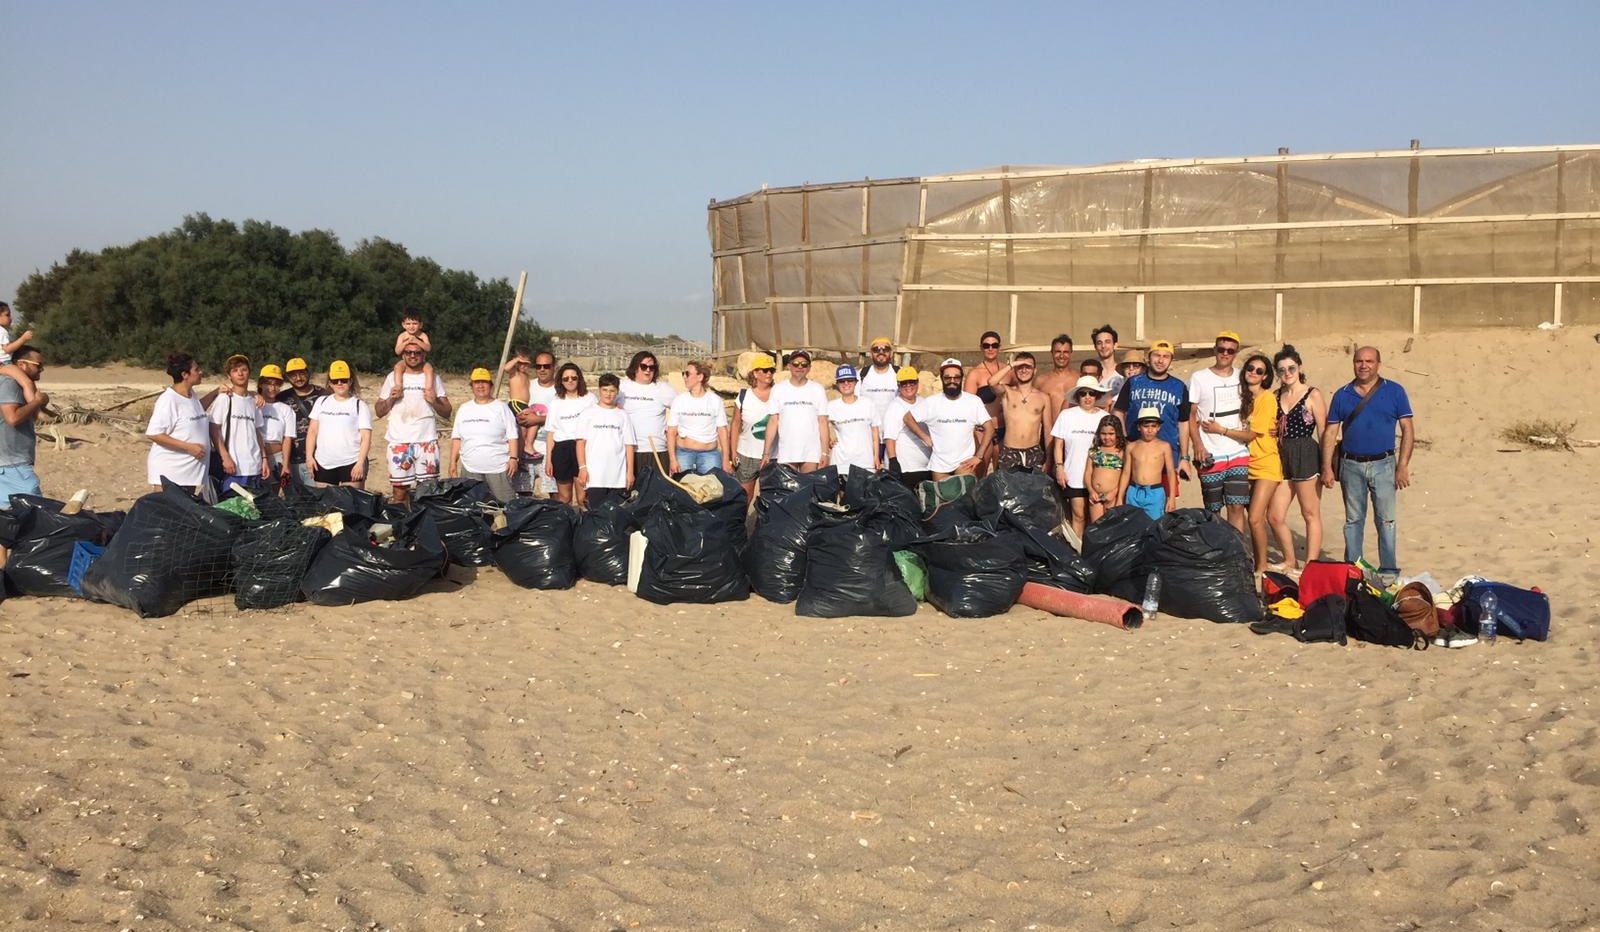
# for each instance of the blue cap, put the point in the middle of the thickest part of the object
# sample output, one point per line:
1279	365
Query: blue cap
845	372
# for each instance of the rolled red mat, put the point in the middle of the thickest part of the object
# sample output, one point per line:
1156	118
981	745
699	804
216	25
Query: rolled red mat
1098	608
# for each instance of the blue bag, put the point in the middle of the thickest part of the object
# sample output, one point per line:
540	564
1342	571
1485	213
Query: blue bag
1524	614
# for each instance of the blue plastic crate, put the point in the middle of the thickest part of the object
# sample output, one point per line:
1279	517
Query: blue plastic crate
83	554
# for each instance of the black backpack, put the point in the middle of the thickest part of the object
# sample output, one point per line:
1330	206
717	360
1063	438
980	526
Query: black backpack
1368	619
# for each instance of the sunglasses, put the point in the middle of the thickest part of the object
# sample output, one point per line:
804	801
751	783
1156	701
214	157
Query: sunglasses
338	381
1255	370
768	369
1287	368
799	365
882	349
989	345
1226	350
569	378
544	365
648	365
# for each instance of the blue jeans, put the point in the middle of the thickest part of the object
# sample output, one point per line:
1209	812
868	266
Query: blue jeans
17	480
1358	481
699	461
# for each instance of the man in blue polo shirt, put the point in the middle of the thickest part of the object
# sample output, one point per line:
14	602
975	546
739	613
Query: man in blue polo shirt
1158	388
1371	465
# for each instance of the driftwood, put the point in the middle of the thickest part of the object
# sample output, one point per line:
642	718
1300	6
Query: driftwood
124	404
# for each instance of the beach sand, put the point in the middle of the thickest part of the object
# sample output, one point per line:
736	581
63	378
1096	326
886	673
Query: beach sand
483	756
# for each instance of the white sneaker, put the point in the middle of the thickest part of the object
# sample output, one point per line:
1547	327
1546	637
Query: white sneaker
1453	638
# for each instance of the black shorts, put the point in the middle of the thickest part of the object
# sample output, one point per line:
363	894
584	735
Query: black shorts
1302	458
593	498
564	461
1069	493
335	476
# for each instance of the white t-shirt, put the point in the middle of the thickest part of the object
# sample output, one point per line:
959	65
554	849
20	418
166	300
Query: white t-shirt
243	439
563	415
339	426
1075	427
279	421
483	429
1216	397
797	408
950	422
752	424
606	434
1113	383
908	448
647	408
542	395
184	420
411	419
879	388
853	423
697	419
5	337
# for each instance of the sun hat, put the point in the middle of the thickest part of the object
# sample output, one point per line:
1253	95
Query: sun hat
1230	335
271	371
884	340
1148	414
906	374
338	369
1161	346
846	373
234	360
295	365
762	361
1088	382
1132	357
480	374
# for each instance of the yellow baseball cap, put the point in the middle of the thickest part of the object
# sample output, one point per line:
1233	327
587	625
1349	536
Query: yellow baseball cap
338	369
271	371
906	374
1161	346
762	361
295	365
884	340
480	374
1230	335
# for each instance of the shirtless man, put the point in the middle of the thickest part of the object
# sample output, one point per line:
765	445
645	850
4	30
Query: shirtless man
1061	377
977	383
1022	447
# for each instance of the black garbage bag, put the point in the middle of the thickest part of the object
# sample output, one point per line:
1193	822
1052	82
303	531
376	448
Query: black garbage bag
775	558
898	511
1115	547
271	559
1050	561
600	542
776	480
299	501
1205	567
850	568
1029	497
457	508
975	574
689	558
170	550
39	551
351	569
949	516
730	508
534	549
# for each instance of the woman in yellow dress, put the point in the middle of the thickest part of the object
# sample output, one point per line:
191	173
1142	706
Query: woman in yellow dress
1270	496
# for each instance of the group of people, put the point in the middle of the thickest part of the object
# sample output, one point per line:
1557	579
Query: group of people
1110	431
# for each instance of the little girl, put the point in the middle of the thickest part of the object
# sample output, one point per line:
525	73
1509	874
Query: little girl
411	332
1102	475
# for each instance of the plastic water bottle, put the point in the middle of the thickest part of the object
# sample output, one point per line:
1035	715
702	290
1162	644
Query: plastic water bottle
1152	597
1488	616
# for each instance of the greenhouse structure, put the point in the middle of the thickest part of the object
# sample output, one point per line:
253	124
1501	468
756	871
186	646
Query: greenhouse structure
1275	247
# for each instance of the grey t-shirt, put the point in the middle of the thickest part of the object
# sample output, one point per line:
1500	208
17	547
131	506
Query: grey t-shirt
16	443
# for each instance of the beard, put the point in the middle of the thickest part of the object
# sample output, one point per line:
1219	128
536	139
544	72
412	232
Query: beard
952	391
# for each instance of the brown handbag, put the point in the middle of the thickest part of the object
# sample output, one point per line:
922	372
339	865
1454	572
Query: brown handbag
1414	604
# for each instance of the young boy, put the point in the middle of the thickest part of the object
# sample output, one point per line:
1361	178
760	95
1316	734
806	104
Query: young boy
1149	463
605	448
411	332
9	346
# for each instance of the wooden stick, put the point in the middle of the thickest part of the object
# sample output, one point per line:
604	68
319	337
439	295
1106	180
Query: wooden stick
511	332
124	404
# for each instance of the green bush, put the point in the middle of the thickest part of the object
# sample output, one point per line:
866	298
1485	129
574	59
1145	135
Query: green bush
212	288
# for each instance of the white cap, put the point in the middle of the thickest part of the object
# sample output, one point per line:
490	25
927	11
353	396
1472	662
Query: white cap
952	361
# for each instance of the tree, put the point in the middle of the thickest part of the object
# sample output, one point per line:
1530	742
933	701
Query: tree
212	288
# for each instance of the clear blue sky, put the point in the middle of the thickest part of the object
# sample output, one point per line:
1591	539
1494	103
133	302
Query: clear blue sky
582	141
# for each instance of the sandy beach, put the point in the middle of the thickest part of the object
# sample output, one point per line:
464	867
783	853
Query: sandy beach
484	756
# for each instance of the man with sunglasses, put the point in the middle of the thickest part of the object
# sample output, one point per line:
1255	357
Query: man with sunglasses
531	421
413	406
16	427
878	383
797	418
1224	463
301	396
953	425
